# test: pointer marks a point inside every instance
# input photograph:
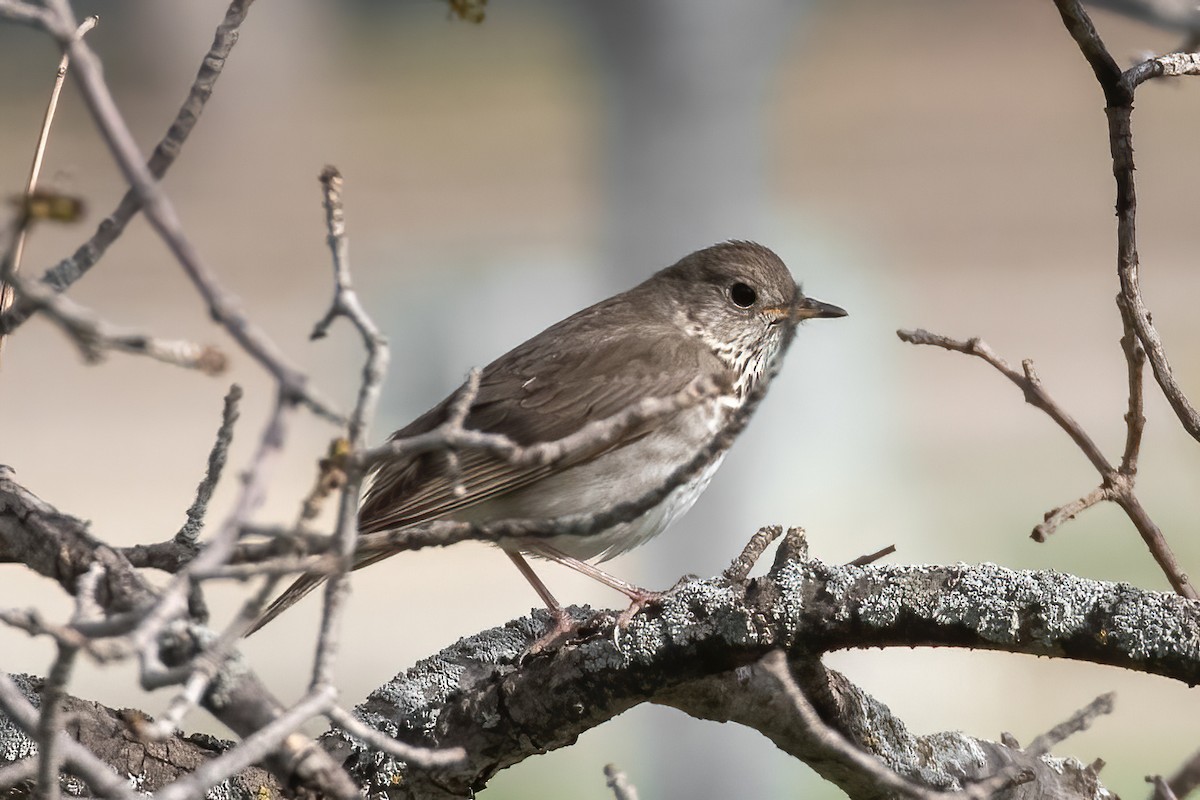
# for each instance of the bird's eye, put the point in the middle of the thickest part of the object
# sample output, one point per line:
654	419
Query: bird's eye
742	295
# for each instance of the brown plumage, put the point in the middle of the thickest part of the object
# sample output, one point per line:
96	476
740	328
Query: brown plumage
651	341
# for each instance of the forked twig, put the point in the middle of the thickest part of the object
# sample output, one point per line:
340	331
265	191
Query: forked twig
1115	485
1118	88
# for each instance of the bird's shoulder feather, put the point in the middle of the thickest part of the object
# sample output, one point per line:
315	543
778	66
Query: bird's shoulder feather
584	369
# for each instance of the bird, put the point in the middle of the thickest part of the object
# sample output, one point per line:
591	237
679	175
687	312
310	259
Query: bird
723	313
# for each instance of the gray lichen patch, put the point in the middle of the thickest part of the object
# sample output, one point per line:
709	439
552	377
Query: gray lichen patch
14	743
1156	630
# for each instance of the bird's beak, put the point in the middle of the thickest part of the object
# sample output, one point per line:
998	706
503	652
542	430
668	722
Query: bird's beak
807	308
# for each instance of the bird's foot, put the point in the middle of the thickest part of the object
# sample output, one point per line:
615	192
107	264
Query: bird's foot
562	626
638	601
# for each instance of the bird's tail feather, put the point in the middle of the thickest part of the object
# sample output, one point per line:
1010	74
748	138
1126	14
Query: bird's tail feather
302	586
306	583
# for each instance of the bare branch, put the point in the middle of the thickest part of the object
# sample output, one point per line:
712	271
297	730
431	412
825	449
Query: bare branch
1135	361
1116	486
216	464
616	780
596	434
441	533
831	742
59	546
871	558
160	212
346	304
26	14
1065	513
839	748
94	337
1025	380
256	747
481	695
739	570
6	290
50	722
1187	777
18	772
1162	790
87	255
1081	720
1118	91
417	756
1171	65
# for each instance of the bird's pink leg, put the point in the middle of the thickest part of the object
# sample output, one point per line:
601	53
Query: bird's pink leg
639	597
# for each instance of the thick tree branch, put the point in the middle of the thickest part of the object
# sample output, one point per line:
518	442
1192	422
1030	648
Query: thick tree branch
478	694
698	650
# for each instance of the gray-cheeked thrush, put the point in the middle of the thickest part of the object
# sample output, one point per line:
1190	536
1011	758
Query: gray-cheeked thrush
724	311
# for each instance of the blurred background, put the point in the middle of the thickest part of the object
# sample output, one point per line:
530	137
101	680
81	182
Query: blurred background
933	164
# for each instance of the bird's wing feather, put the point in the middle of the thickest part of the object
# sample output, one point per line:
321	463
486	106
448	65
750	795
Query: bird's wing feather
544	390
531	401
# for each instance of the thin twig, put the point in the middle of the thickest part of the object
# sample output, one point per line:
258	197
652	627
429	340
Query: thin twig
205	667
94	337
30	620
250	750
1187	777
1065	513
1081	720
1026	380
50	722
26	14
186	536
1118	88
456	418
137	616
69	270
441	533
6	289
160	212
1162	789
616	780
173	600
871	558
417	756
1172	65
18	772
346	304
752	552
1117	486
1135	361
261	568
839	749
87	607
596	434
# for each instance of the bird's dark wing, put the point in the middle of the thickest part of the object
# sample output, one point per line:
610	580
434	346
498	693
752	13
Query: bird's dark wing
532	399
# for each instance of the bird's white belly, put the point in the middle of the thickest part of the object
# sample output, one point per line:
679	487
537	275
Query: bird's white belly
613	541
618	476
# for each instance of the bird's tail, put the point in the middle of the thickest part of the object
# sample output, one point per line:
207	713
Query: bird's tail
302	586
306	583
